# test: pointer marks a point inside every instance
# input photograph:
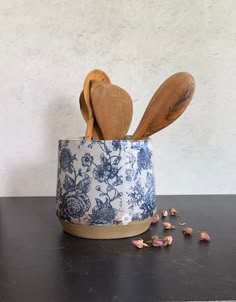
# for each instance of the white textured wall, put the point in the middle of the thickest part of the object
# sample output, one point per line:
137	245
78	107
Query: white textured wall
46	49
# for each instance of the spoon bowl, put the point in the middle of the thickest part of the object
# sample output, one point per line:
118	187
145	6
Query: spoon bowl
113	110
93	78
167	104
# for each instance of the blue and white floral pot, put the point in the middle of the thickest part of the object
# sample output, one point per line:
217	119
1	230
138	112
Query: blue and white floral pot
105	189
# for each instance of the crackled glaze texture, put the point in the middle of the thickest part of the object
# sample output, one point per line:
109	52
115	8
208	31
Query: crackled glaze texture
105	182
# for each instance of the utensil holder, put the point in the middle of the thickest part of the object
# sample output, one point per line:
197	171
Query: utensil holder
105	189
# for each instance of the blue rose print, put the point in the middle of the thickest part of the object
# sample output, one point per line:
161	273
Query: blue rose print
136	195
144	158
103	213
149	181
100	173
106	174
66	160
87	160
75	204
144	198
116	145
105	171
150	204
85	184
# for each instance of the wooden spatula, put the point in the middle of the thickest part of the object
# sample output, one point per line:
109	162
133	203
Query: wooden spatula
167	104
93	78
97	134
113	110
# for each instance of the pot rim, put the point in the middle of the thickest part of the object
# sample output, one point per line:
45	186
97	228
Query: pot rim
126	139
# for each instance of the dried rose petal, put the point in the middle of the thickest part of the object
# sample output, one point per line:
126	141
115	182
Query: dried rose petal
168	226
139	243
173	212
167	240
155	237
187	231
164	213
203	235
155	219
157	243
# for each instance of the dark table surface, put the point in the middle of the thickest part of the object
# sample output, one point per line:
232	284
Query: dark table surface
39	262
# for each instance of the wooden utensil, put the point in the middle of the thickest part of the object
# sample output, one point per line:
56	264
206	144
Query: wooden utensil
113	110
91	81
167	104
97	134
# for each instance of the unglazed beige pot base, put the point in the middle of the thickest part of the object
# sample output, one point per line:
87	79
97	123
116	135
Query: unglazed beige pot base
106	232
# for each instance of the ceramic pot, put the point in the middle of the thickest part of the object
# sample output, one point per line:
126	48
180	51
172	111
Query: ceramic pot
105	189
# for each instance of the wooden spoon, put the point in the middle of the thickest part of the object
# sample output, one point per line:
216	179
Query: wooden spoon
113	109
97	134
167	104
94	78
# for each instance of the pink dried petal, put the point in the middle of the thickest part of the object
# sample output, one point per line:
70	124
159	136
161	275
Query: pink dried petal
155	219
154	237
203	235
168	226
139	243
167	240
173	212
164	213
157	242
187	231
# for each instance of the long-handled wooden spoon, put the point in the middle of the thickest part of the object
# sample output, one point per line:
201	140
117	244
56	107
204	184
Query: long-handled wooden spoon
94	78
113	110
97	134
167	104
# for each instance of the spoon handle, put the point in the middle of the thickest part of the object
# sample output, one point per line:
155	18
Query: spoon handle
97	133
89	129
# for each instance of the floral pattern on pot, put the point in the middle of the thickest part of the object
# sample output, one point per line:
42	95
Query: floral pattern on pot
105	182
